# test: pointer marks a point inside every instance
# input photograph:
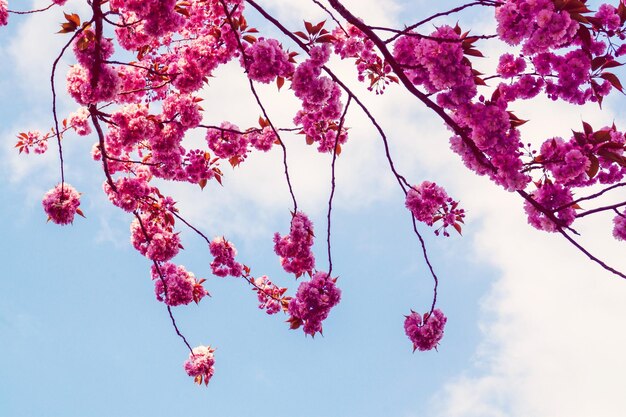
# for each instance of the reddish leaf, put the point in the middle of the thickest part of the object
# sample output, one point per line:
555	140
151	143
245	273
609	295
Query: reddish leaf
302	35
249	38
473	52
594	167
309	27
73	18
612	78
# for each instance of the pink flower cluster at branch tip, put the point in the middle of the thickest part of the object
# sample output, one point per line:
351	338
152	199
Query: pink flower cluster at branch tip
430	203
619	226
224	262
294	249
33	139
79	121
425	334
200	364
313	302
4	14
62	203
175	286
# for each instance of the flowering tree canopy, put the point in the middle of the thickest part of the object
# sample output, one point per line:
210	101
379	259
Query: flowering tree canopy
139	66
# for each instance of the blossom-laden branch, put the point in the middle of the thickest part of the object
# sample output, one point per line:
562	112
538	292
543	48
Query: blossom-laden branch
176	49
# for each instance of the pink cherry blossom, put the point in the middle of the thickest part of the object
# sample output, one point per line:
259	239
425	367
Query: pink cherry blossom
430	203
175	286
425	334
61	203
224	262
553	198
200	364
619	226
79	121
294	249
4	14
313	302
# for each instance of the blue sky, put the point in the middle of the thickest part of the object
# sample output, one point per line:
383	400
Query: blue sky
83	335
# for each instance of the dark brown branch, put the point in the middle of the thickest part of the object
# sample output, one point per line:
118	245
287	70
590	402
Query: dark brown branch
19	12
333	185
441	14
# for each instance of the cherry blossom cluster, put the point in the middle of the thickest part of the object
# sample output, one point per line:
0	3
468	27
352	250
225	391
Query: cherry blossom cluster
175	286
79	121
439	66
352	43
321	105
224	263
555	199
294	249
152	232
4	13
495	143
619	226
430	203
267	61
427	333
537	24
62	203
200	364
313	302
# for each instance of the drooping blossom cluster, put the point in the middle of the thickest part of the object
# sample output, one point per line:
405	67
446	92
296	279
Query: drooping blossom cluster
79	121
224	263
321	105
430	203
271	297
200	364
62	203
294	249
4	13
175	286
266	60
425	334
313	302
619	226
